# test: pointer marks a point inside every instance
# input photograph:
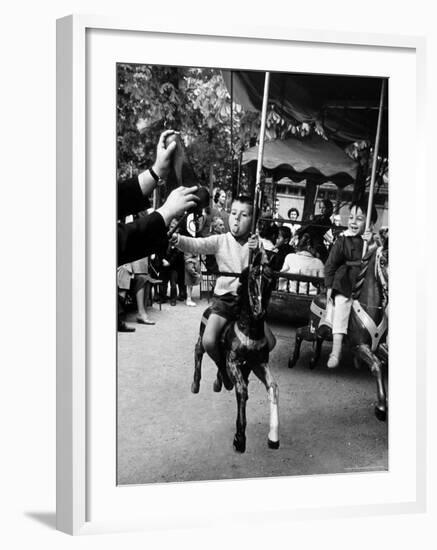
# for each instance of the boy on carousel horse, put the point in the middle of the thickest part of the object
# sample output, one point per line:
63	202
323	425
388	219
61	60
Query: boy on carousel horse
231	251
341	271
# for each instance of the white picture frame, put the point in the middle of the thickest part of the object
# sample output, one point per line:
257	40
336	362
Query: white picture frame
74	346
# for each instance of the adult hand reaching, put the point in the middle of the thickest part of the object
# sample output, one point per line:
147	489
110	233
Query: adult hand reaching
164	152
179	201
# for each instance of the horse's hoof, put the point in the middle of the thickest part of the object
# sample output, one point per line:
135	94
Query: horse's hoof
227	382
381	414
195	387
273	444
291	363
312	365
217	385
239	444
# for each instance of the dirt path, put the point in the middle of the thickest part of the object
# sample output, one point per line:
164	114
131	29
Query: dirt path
166	433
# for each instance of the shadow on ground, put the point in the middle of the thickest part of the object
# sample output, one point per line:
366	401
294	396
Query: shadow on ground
45	518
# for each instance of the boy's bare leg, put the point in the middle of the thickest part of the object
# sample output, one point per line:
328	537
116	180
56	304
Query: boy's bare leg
335	356
210	343
211	335
271	339
342	308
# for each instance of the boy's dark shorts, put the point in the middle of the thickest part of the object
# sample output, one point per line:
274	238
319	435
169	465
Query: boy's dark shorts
225	306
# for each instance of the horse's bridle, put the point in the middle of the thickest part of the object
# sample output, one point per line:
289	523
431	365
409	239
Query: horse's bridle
264	273
380	276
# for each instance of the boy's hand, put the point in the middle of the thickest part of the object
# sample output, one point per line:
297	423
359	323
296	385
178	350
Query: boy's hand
368	236
165	262
174	239
253	242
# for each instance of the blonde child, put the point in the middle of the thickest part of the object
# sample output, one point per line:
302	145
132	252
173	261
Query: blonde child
341	271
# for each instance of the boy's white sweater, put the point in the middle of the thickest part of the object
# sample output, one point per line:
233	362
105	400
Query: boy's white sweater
231	256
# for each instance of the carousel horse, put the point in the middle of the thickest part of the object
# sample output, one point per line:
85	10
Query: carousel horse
244	347
368	323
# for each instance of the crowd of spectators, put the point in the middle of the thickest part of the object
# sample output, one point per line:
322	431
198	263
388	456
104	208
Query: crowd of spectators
298	247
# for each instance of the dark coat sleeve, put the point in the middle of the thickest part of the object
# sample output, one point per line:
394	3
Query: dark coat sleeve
130	198
141	238
335	259
343	264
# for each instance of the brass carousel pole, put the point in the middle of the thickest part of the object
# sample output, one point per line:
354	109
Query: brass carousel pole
258	194
366	257
374	163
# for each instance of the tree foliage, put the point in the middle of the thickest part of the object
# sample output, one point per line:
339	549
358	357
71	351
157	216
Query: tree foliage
193	101
196	102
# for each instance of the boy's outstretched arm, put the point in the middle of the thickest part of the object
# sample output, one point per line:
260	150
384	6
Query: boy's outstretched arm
198	245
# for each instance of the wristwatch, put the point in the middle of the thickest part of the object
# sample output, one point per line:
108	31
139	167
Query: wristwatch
159	181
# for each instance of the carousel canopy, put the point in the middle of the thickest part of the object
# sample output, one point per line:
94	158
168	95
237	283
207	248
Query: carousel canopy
310	158
345	106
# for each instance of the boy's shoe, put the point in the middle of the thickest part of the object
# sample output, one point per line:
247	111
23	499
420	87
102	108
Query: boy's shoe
123	327
173	302
333	361
190	303
143	320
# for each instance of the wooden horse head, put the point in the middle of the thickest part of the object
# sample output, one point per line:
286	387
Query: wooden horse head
257	283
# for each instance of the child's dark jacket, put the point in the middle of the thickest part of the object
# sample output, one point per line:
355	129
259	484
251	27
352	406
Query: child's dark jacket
343	264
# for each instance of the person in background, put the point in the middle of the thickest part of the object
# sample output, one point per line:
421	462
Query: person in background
303	262
277	218
282	248
337	229
141	284
171	270
217	228
317	228
293	216
124	281
268	233
192	275
218	207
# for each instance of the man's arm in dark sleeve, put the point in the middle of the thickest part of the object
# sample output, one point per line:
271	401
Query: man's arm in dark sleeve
130	198
140	238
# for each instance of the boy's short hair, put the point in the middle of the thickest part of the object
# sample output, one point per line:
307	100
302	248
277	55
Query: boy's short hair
363	205
244	199
285	232
293	210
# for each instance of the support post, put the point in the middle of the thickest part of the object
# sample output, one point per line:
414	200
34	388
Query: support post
257	194
374	162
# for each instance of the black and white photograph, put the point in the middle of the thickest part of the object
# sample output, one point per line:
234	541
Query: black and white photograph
252	274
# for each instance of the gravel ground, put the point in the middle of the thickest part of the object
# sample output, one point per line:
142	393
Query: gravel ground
168	434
